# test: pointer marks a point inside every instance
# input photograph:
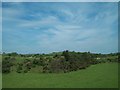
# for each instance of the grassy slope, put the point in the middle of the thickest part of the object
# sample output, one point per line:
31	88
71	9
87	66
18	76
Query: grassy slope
96	76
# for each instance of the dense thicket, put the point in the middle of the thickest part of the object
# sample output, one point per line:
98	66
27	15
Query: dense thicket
60	62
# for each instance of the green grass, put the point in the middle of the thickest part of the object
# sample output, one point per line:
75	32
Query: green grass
96	76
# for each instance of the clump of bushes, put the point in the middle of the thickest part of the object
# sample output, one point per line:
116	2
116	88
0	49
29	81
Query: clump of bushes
63	62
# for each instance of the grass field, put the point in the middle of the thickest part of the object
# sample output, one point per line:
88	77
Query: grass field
96	76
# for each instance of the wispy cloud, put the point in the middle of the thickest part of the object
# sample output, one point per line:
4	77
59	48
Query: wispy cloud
51	27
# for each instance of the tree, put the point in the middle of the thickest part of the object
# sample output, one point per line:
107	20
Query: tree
6	65
66	55
12	54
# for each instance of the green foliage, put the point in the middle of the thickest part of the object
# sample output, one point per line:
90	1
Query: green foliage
12	54
25	71
6	64
61	62
77	61
39	61
19	68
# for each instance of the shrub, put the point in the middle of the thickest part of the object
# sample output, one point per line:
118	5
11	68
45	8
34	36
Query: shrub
6	65
19	68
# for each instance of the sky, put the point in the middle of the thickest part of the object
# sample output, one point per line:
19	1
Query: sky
60	0
0	28
45	27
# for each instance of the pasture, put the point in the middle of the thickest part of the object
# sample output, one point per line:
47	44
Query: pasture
104	75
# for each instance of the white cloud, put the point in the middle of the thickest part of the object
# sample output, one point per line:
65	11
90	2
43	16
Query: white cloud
81	32
45	21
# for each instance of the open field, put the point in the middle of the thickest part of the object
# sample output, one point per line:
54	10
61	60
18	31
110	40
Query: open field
103	75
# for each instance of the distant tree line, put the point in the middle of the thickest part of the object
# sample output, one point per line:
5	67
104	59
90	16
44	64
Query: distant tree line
61	62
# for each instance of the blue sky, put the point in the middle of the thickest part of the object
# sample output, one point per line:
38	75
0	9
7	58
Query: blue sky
50	27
